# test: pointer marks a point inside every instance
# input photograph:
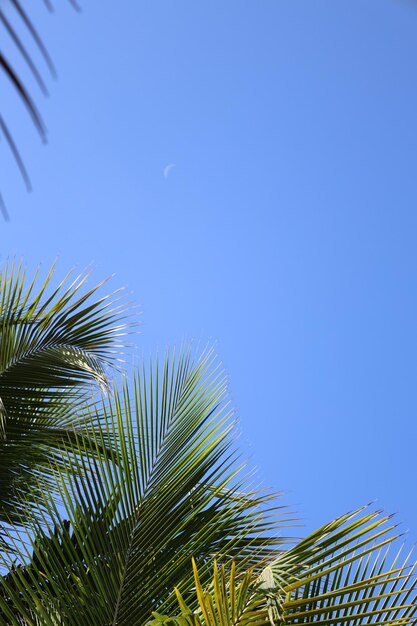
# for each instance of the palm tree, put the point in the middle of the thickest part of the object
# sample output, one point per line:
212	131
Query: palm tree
124	531
130	507
152	521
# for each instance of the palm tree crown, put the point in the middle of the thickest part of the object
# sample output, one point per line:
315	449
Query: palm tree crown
130	506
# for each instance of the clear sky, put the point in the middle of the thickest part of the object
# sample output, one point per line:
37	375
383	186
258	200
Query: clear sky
286	232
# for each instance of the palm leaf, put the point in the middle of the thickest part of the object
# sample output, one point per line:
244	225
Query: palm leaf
12	21
340	575
229	600
54	344
344	574
125	531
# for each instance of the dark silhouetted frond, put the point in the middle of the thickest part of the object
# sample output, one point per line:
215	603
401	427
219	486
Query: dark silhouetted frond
12	23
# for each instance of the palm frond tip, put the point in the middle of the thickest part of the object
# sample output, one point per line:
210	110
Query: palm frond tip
13	16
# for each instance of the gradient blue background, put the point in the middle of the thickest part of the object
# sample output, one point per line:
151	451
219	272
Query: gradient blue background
286	233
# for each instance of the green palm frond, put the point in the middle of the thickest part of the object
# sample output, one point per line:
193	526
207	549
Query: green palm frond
229	600
344	573
125	531
55	343
341	575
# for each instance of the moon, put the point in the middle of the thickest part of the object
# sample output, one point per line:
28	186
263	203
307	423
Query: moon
168	169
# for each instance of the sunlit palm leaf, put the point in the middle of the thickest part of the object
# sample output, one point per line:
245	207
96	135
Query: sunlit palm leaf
341	575
344	574
171	492
54	344
229	600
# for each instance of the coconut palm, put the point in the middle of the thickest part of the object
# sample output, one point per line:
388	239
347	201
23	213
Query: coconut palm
127	503
122	534
162	528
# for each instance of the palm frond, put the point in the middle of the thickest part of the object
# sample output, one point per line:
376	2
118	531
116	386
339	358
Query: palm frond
55	343
124	533
230	600
11	27
341	575
344	574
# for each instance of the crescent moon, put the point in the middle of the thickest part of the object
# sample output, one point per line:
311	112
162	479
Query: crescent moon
168	169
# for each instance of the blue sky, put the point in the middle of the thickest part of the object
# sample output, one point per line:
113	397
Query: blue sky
285	234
